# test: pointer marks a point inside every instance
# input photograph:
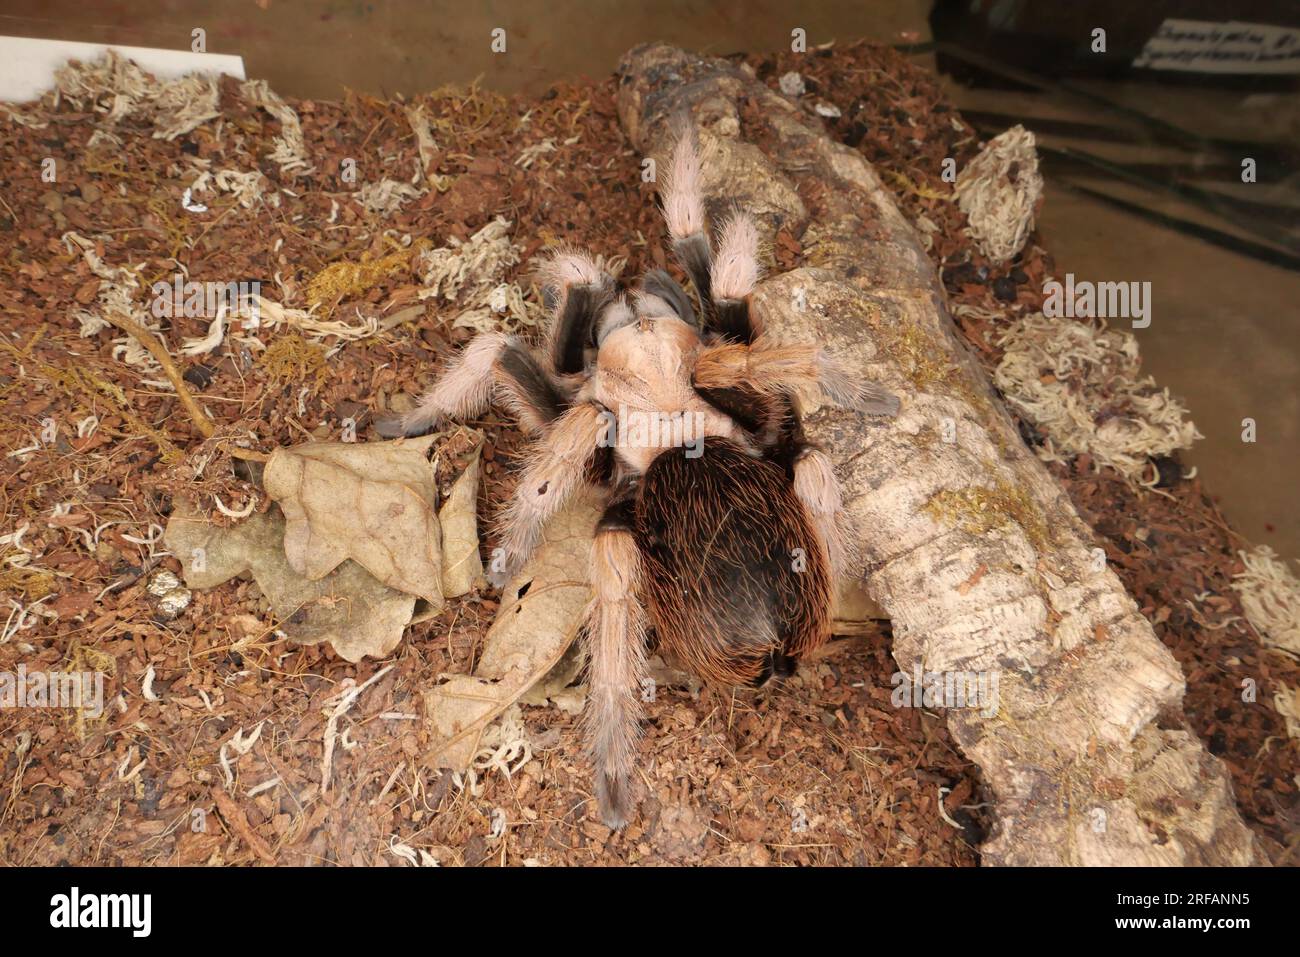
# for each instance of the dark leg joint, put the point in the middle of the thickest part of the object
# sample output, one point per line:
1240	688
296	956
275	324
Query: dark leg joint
747	408
733	320
659	283
577	329
518	364
620	514
695	255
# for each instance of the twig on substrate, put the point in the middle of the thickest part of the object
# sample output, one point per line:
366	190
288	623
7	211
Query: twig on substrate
234	815
195	412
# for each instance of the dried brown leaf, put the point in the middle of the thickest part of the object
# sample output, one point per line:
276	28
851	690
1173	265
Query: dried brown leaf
462	568
373	502
349	608
541	612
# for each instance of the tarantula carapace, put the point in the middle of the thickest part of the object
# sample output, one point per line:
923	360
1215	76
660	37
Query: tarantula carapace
724	529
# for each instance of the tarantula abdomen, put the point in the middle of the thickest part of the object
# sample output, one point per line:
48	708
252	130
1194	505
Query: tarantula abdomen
736	581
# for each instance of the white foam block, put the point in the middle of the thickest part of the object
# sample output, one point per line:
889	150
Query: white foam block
27	65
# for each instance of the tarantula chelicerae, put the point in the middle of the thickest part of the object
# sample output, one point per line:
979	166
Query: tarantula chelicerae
724	529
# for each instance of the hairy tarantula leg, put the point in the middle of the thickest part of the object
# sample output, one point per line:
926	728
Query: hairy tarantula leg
465	388
527	390
749	409
770	368
616	315
660	291
735	274
616	634
580	292
817	488
684	213
839	385
556	469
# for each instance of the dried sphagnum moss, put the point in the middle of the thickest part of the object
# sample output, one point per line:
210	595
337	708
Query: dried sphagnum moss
347	280
292	359
1082	386
81	385
32	583
82	660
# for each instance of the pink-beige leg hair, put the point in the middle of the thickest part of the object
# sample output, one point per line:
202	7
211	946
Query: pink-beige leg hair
559	273
521	406
569	267
616	632
617	315
682	194
555	470
819	491
735	266
852	392
464	390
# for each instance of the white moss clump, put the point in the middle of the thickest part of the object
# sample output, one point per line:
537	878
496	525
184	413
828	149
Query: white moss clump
1270	596
999	192
116	88
1082	387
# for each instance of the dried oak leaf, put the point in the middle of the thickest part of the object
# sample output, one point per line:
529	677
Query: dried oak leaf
554	688
373	502
540	615
462	569
349	608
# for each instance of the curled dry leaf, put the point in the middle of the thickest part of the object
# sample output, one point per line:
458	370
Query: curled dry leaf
372	502
349	608
541	612
553	688
353	552
462	568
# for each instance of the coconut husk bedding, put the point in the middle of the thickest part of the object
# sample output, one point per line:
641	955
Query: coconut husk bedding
366	287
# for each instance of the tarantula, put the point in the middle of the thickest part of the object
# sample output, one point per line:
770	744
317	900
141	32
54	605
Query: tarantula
723	529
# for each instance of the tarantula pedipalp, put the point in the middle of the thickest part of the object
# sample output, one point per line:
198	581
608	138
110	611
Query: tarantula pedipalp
723	529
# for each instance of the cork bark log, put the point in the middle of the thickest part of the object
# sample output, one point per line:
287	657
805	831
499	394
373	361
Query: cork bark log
971	547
